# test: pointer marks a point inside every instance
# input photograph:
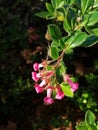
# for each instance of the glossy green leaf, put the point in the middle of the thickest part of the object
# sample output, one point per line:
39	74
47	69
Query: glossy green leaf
57	3
92	29
59	77
86	4
93	18
90	41
49	7
95	3
66	26
69	21
54	53
43	14
67	90
71	1
92	127
78	39
89	118
78	3
71	17
82	127
54	32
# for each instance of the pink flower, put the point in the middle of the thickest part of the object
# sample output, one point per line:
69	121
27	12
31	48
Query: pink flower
35	76
36	66
74	86
49	92
60	95
48	100
38	88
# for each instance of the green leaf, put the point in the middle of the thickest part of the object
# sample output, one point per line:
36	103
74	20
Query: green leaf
90	41
69	21
54	53
92	29
78	3
92	127
67	90
43	14
78	39
59	77
71	17
86	4
89	118
93	18
57	3
71	1
62	67
49	7
95	3
66	26
82	126
54	32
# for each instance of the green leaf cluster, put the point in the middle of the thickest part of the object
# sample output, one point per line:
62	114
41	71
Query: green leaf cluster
89	123
78	22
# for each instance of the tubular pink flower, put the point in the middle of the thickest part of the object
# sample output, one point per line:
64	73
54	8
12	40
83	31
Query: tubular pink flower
74	86
35	76
38	88
36	66
49	92
60	95
48	100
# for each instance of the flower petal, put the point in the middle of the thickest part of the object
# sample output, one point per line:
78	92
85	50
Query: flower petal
48	100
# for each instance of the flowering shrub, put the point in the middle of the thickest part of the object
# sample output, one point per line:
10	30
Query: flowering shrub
77	19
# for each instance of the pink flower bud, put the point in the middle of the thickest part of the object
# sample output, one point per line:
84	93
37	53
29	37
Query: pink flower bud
35	76
36	66
38	88
48	100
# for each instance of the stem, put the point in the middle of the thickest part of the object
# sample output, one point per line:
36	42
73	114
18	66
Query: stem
60	57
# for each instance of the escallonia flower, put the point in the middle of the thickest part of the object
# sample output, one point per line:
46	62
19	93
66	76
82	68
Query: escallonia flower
38	88
36	66
74	85
59	94
36	76
48	99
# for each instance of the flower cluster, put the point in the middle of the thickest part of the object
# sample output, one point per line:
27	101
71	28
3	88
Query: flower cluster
46	80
